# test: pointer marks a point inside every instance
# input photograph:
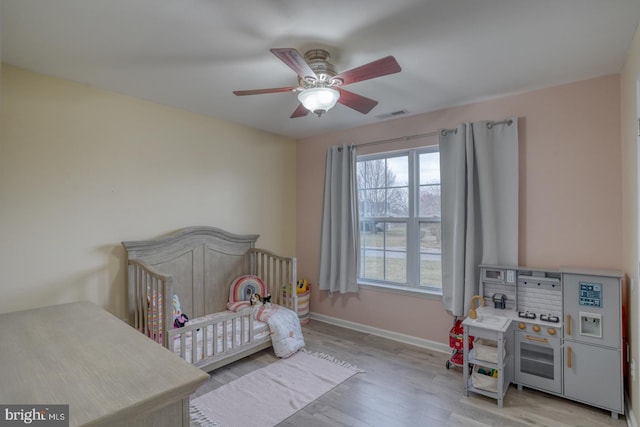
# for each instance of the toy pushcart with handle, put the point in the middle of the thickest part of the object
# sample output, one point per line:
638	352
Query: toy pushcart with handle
456	342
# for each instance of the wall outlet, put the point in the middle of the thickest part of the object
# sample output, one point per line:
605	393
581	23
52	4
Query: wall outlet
632	369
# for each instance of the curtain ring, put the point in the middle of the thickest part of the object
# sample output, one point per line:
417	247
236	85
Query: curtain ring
490	125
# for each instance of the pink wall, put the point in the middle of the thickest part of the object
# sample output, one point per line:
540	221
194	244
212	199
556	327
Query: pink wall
570	193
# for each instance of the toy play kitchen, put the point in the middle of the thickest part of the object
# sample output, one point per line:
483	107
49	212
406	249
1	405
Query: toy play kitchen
555	331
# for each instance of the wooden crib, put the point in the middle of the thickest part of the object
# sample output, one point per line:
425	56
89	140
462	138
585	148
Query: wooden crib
198	265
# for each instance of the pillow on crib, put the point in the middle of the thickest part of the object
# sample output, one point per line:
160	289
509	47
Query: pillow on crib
244	286
238	305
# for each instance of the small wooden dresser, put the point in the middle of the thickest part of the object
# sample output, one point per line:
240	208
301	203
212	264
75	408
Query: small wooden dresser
107	372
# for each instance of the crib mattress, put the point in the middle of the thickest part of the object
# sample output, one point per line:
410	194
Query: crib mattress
216	338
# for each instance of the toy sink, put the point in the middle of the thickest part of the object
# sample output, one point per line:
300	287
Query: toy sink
491	321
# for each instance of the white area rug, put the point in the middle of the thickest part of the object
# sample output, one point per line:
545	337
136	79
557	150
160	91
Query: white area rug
270	395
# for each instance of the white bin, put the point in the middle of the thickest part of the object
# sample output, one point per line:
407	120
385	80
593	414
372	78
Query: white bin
483	381
486	350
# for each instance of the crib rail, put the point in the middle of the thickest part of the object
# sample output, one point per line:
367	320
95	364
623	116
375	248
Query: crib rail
279	275
150	294
206	340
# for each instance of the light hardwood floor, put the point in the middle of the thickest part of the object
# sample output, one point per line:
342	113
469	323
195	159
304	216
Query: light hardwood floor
406	385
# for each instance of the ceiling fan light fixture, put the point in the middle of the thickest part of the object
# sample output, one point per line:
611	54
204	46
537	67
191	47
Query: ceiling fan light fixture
319	100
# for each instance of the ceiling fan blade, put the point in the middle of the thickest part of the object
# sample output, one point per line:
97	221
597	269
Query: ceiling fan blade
299	112
381	67
355	101
261	91
295	61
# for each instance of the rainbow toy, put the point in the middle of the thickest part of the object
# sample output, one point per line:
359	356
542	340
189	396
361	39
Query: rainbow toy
243	287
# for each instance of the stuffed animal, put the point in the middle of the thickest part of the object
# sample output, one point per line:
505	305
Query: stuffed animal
303	286
258	300
180	321
179	318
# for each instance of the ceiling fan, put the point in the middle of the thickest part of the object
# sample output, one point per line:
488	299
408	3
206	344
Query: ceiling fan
320	86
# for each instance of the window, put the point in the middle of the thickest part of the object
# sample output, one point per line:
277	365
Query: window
399	219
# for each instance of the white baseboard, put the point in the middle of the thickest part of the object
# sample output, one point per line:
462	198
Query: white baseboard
396	336
631	418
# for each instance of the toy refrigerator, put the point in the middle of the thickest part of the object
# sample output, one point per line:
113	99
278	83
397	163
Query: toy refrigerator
592	309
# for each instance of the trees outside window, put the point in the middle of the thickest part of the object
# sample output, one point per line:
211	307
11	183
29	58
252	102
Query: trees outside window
399	216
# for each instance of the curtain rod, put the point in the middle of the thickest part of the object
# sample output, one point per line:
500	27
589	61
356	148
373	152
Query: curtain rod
402	138
444	132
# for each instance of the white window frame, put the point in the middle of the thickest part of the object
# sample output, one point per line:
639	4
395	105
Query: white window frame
413	222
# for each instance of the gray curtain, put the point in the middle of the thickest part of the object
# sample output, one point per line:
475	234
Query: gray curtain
479	184
339	236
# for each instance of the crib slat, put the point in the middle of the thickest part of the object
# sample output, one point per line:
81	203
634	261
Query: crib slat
145	310
148	283
268	261
194	346
139	299
234	331
215	339
224	336
245	332
154	309
280	282
183	346
205	347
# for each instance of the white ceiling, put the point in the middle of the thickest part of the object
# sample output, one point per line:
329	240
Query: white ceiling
192	54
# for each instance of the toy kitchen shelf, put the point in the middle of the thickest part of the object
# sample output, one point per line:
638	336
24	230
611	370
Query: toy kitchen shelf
489	354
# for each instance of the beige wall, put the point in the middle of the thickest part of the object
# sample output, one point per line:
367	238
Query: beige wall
83	169
628	89
570	193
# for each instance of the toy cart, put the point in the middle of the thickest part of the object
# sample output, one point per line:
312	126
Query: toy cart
456	342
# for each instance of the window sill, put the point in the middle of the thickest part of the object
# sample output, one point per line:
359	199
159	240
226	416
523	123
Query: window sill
417	293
